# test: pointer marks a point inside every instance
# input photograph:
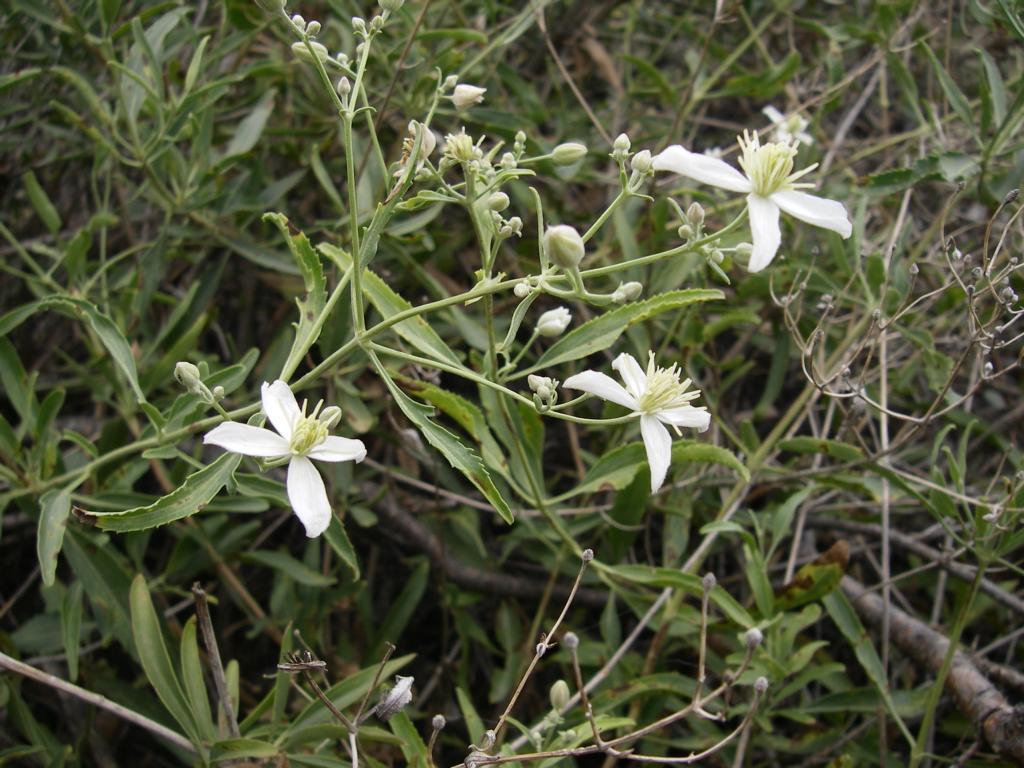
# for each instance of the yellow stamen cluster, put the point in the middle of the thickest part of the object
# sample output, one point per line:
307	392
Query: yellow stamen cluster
664	389
770	166
309	431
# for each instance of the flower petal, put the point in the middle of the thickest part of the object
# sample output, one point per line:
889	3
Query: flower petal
632	374
764	231
308	496
280	406
658	443
773	114
819	211
602	385
247	440
339	449
706	170
686	416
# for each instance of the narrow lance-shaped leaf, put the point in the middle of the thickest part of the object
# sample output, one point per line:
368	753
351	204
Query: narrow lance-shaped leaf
195	493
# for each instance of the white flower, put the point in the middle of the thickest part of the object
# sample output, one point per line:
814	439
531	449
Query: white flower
299	438
769	184
788	127
554	322
658	397
465	96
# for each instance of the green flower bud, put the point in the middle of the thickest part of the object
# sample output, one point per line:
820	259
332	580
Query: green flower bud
564	246
695	214
313	28
559	695
302	52
568	153
390	5
498	201
642	162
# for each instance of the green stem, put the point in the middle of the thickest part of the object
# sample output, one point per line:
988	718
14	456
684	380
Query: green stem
596	226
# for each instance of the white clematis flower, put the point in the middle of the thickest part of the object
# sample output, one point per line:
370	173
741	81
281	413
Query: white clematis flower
785	128
657	396
769	183
298	438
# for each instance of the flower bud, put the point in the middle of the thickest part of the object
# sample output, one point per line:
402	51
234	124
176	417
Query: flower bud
218	393
642	162
564	246
571	641
429	141
540	384
299	23
359	25
559	695
695	214
685	232
395	700
188	376
450	82
302	52
498	201
587	555
761	684
622	143
438	722
541	649
465	96
521	290
344	87
377	23
744	249
753	638
513	226
627	292
708	582
313	28
568	153
554	322
507	161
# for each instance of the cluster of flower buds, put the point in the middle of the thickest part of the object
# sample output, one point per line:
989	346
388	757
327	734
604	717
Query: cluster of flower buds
545	391
191	379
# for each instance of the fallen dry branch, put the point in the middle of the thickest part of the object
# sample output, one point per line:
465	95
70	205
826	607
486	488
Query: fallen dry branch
1001	723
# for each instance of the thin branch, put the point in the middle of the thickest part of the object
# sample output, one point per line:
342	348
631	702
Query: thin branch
96	700
216	667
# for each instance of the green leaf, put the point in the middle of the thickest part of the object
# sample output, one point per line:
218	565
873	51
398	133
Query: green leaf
413	748
617	468
41	202
250	129
156	662
474	723
602	332
104	328
195	493
195	686
460	456
685	582
294	569
53	521
952	91
402	608
833	448
312	312
243	749
415	330
338	540
846	619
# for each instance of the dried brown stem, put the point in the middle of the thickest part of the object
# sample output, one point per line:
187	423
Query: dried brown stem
165	733
216	667
1001	724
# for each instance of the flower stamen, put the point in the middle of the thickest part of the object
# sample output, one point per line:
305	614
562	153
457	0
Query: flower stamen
664	390
769	166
